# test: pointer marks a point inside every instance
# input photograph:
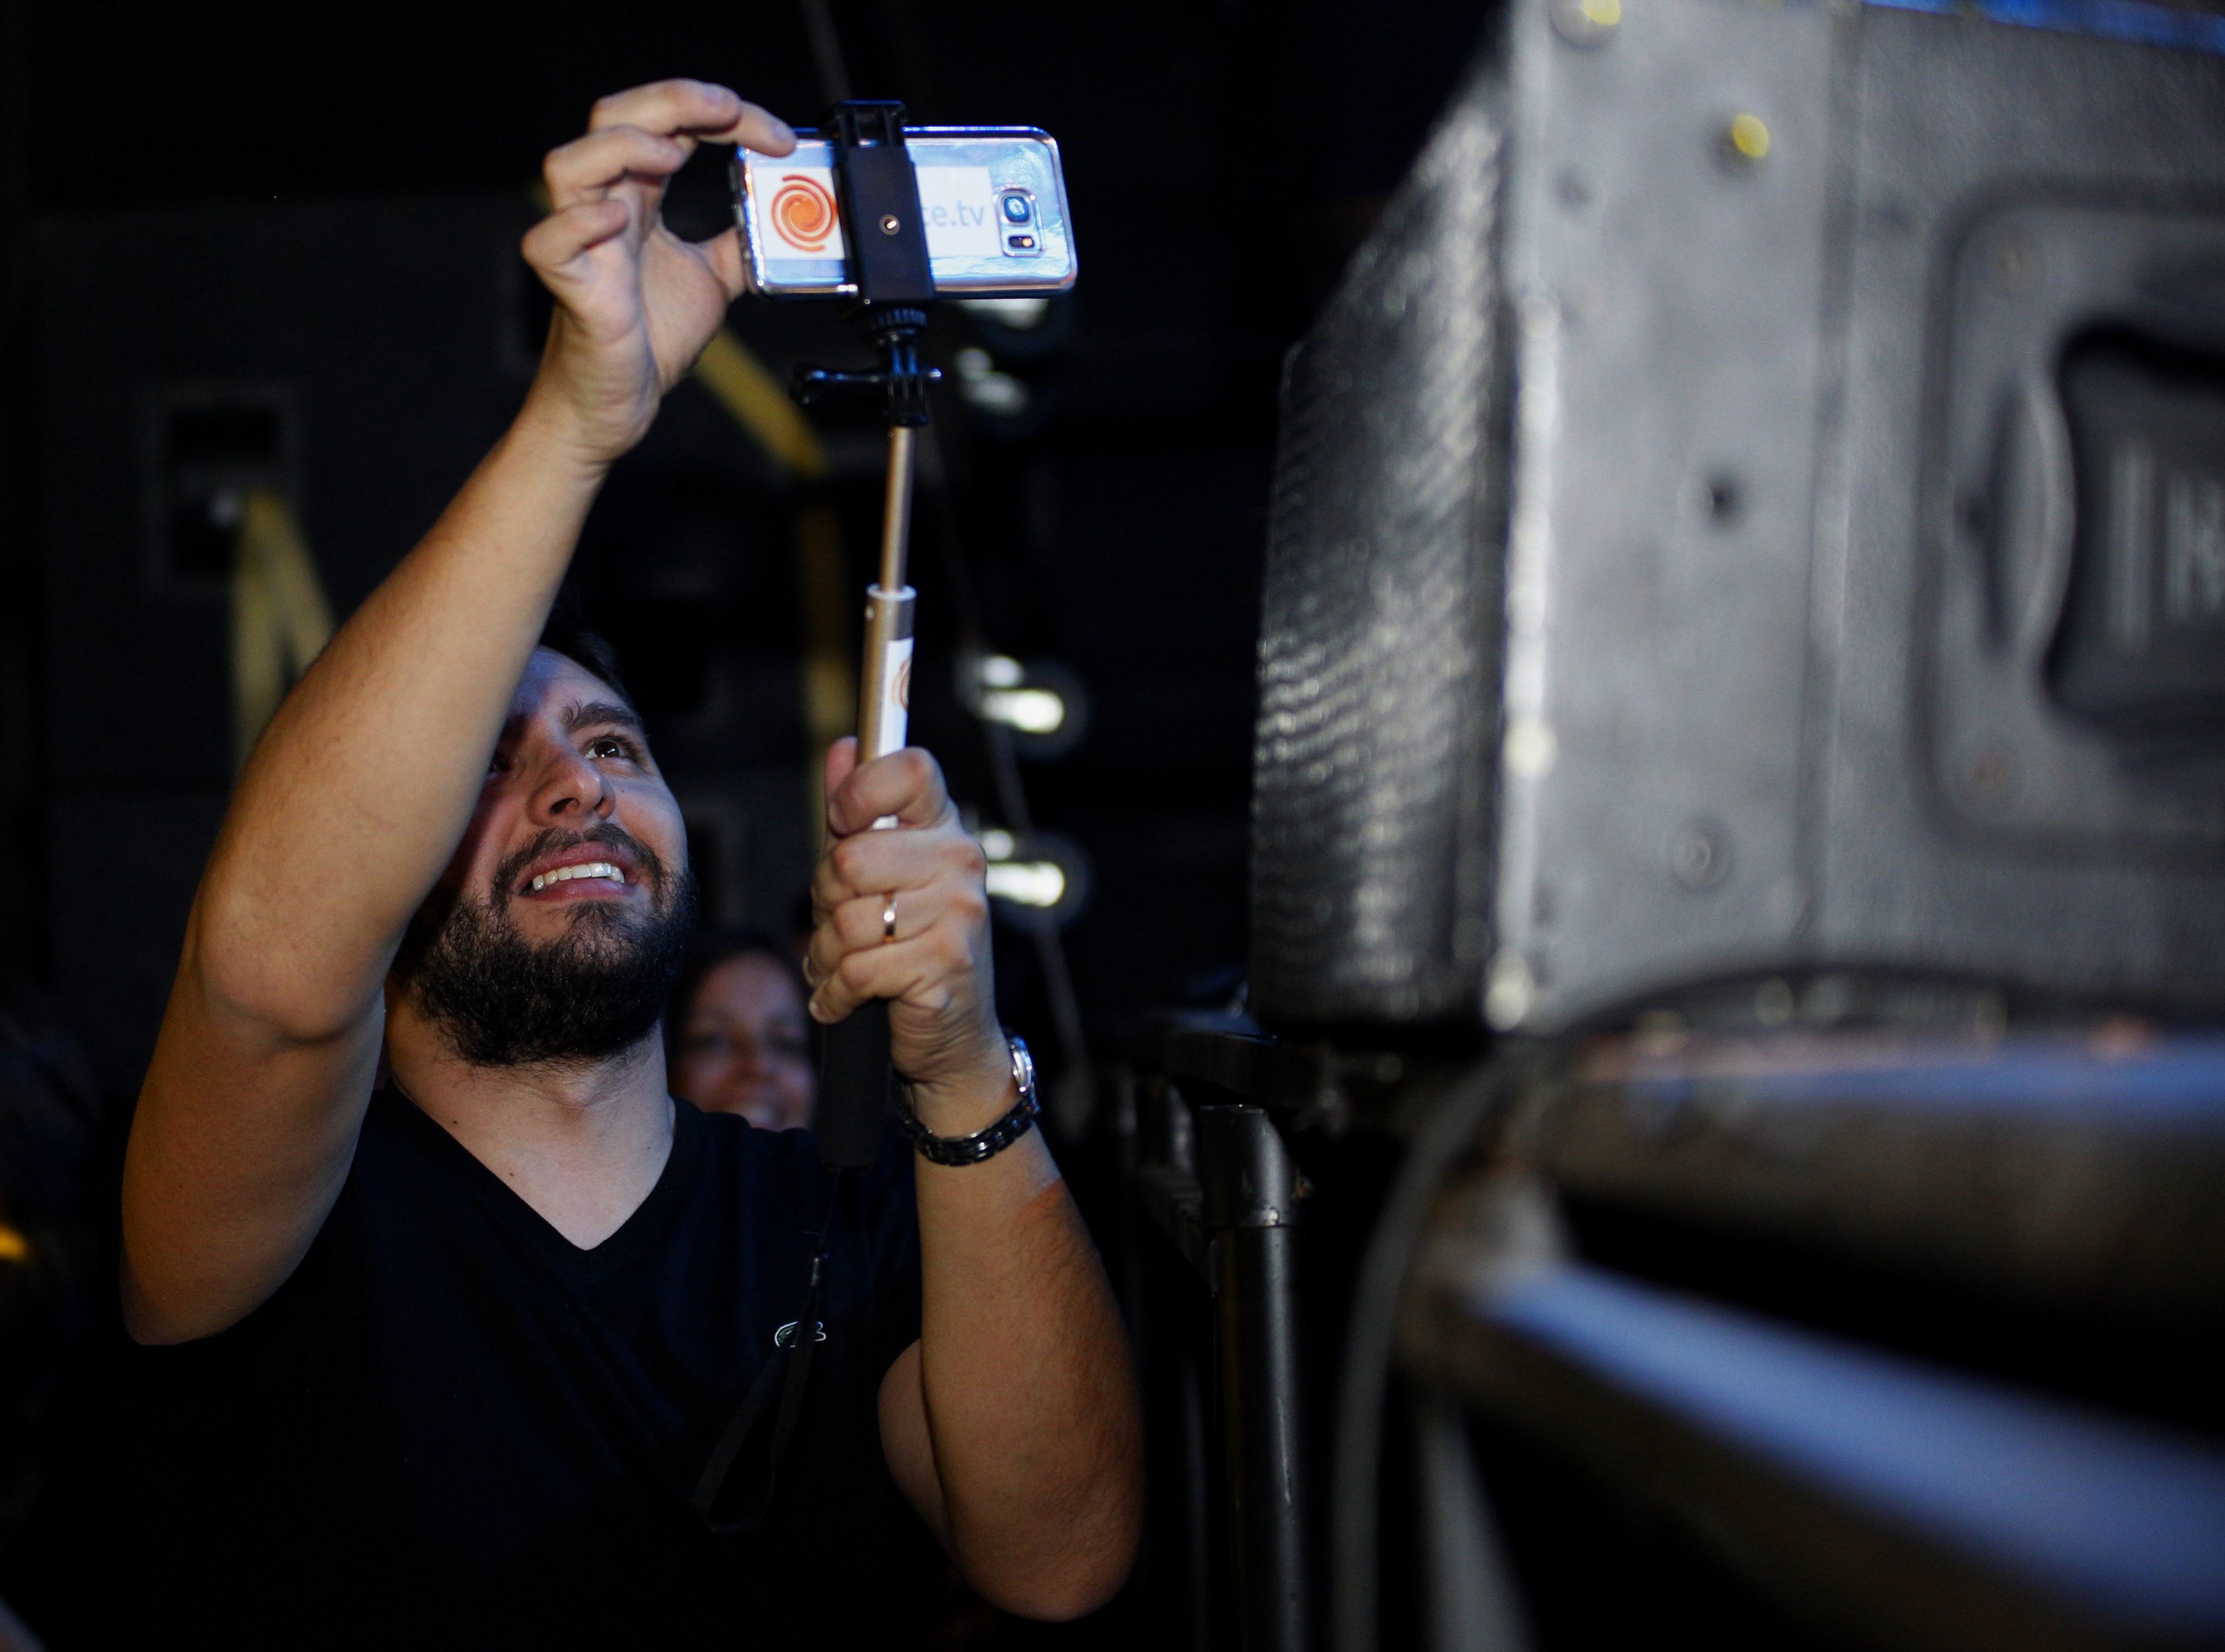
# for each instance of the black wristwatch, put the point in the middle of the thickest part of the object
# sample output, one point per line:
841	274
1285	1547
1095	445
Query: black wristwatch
982	1144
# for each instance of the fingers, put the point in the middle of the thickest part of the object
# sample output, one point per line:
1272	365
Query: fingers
708	113
724	253
872	864
588	168
863	921
562	236
932	871
907	784
925	972
953	910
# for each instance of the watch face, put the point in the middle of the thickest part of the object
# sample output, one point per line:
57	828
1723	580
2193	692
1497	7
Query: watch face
1023	1064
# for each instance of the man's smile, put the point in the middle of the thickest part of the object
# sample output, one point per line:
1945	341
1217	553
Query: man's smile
601	871
604	867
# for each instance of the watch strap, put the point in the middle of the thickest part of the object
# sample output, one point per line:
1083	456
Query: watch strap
985	1144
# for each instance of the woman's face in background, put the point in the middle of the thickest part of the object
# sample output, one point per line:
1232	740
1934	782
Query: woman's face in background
745	1047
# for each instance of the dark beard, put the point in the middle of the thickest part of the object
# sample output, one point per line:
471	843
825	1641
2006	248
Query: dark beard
503	1001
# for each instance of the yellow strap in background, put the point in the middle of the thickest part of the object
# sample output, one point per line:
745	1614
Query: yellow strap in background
830	678
740	383
280	619
755	400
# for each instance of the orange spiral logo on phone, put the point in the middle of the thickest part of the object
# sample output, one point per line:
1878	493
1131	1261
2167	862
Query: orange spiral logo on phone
802	212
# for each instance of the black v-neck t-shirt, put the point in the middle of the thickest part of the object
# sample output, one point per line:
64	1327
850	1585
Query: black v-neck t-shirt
452	1426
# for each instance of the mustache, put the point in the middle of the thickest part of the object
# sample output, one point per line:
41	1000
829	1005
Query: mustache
607	832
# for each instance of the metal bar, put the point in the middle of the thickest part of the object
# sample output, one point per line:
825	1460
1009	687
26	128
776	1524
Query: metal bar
1472	1603
882	701
1250	1189
2082	1169
895	519
1169	1310
1901	1502
1171	1198
1174	1330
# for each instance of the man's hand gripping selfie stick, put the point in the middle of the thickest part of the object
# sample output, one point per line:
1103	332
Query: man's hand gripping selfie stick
883	227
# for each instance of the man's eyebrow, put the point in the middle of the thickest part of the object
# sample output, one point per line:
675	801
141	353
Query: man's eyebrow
590	713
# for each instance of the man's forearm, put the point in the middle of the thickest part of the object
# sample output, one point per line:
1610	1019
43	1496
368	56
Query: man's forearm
1012	1425
1029	1389
355	796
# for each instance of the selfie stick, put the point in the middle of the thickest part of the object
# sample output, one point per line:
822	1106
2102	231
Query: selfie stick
887	243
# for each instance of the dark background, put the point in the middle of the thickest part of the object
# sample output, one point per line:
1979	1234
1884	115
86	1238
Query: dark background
327	200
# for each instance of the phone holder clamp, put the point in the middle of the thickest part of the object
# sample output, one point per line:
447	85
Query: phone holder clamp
885	232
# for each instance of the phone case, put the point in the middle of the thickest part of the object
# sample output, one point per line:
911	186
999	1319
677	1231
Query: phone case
993	198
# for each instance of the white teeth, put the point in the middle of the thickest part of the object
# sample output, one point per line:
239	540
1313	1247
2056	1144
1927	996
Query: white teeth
589	868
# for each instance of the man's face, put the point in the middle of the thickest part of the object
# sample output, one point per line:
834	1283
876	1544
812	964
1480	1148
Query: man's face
572	786
557	929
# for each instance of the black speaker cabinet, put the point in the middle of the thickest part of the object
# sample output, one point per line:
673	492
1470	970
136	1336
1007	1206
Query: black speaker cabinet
1760	495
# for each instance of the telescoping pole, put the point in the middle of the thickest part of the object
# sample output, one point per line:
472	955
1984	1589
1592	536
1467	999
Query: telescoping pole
884	692
895	284
854	1067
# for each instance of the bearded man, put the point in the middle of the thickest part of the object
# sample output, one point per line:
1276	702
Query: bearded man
437	1357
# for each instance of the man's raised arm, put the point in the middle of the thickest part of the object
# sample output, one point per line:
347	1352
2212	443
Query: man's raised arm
357	796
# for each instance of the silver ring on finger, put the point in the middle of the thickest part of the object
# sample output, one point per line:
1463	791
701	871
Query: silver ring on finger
889	919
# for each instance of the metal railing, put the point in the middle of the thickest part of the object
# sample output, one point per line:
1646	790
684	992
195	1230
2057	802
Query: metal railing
1223	1364
1880	1326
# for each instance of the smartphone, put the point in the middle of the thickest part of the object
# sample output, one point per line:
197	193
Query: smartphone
993	198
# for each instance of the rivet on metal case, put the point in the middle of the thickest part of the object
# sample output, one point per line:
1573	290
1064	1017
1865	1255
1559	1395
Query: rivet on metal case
1745	142
1773	1003
1506	1000
1586	23
1718	499
1700	855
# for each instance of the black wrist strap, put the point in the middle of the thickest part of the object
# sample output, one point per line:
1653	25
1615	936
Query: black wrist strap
784	1378
776	1398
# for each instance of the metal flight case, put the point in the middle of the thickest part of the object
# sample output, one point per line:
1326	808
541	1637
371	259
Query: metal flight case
1724	1139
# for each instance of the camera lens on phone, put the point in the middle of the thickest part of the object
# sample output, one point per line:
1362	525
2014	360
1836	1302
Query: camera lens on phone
1019	209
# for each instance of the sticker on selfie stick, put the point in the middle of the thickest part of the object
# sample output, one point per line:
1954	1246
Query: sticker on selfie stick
896	696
